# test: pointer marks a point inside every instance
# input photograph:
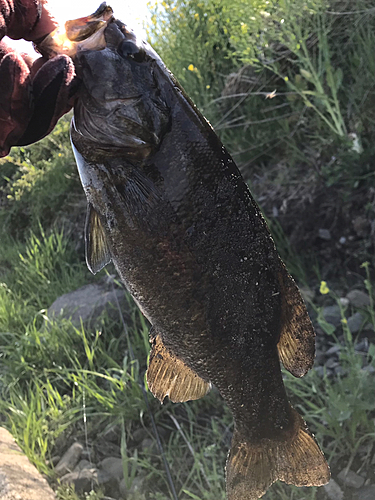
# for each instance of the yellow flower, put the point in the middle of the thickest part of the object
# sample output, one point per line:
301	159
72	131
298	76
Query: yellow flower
208	87
323	288
196	15
59	154
191	67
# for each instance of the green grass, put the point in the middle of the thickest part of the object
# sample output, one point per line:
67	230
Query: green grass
60	381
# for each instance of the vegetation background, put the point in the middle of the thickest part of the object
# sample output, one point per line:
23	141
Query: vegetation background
289	87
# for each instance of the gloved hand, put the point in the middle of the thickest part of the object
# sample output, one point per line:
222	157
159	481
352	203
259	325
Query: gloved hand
34	94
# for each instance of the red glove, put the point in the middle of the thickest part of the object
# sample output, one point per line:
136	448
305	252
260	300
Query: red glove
33	94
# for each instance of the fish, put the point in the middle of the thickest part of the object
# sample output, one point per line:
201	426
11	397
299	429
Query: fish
169	207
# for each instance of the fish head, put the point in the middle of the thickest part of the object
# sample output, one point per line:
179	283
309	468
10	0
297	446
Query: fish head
120	109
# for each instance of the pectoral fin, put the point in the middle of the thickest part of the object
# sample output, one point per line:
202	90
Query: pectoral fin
167	375
297	340
97	250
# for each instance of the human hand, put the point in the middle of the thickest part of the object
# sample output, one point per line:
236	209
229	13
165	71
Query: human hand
34	94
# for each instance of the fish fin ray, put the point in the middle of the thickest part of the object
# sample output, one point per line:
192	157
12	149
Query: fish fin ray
295	459
97	251
296	345
167	375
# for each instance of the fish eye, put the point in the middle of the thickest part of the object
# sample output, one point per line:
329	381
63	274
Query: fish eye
127	48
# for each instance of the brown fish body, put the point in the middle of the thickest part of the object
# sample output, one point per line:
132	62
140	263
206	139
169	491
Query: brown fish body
169	207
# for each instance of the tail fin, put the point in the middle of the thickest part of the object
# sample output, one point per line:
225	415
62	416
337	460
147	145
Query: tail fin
295	459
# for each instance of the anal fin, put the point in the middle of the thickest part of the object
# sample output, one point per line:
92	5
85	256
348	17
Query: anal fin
169	376
296	345
97	251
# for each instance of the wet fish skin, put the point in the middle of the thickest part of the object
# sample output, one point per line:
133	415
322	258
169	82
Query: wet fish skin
169	207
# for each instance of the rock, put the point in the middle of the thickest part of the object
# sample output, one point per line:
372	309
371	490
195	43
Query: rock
113	466
139	435
54	461
362	346
87	304
335	349
333	490
344	301
324	234
350	479
366	493
113	434
19	480
136	491
357	298
83	464
332	314
331	363
320	371
69	460
308	295
86	479
355	322
149	445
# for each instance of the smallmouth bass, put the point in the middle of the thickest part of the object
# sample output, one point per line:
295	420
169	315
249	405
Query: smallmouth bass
168	206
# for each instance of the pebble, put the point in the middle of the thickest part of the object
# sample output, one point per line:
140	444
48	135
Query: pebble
332	314
85	480
333	350
331	363
113	466
333	490
69	460
362	346
344	301
350	479
357	298
83	464
324	234
355	322
366	493
136	491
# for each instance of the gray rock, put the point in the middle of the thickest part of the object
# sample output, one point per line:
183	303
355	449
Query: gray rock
355	322
333	490
136	491
357	298
324	234
362	346
331	363
19	479
149	445
332	315
113	434
139	435
334	350
319	370
344	301
88	303
85	480
307	294
113	466
84	464
366	493
69	460
350	479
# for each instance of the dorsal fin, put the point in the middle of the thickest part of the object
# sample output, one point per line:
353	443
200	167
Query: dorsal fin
297	340
169	376
97	251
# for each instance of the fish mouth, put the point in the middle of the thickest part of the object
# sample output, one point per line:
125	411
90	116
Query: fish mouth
84	33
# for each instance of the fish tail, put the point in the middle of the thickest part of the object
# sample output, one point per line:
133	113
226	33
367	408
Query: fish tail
294	458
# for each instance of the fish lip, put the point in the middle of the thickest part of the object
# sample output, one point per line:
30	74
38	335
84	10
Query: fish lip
82	28
84	33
